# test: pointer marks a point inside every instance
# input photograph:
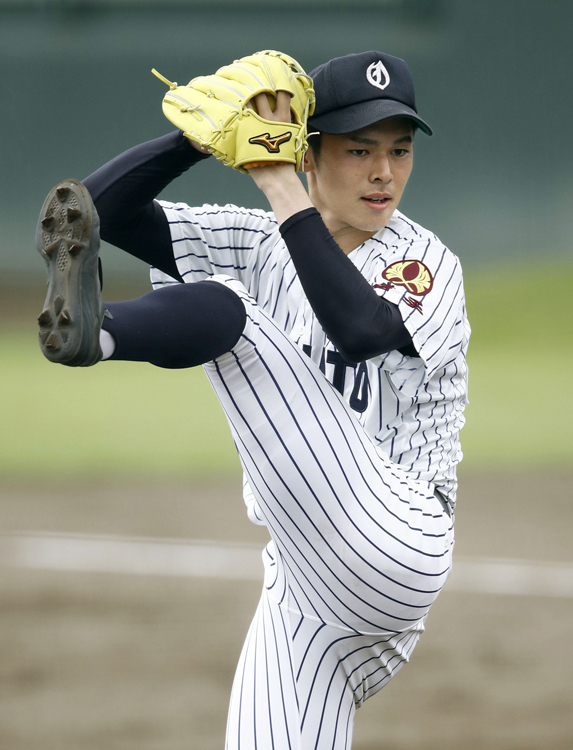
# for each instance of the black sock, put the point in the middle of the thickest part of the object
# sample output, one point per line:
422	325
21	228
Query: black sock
183	325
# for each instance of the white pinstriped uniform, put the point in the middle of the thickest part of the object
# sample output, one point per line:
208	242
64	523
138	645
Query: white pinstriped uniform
341	466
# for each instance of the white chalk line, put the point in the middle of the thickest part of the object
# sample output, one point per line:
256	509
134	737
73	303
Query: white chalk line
135	555
234	561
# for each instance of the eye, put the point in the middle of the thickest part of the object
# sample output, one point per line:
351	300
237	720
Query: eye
358	151
401	152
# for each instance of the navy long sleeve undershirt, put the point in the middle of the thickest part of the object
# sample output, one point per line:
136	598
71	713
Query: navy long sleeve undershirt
359	323
124	189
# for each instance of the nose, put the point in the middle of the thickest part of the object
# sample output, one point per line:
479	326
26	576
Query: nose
381	171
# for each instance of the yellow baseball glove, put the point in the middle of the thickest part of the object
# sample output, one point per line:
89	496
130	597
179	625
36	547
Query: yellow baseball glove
218	111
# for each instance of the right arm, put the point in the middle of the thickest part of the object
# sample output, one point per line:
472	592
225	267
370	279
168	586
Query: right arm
124	192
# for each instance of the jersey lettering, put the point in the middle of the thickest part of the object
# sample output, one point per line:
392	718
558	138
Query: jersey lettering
359	396
340	365
360	392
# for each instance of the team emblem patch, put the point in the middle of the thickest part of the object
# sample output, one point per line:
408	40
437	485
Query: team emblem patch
377	75
273	145
413	275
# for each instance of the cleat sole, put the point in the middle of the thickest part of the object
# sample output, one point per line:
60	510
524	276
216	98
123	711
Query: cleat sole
58	304
67	237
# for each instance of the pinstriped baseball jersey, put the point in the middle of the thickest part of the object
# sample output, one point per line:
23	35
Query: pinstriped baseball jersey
411	407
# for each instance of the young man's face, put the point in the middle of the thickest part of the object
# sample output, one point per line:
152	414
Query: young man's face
358	179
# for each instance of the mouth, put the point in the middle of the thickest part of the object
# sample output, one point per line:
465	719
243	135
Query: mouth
377	201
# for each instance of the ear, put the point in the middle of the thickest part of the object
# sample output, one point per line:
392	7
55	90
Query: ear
308	162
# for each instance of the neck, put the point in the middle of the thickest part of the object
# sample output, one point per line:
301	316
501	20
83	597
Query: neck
348	238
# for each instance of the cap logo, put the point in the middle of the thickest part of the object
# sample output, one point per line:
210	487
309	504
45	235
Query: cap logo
377	75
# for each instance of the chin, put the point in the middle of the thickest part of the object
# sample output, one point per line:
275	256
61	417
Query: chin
372	226
374	223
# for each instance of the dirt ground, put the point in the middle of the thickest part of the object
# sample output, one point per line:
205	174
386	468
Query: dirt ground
91	661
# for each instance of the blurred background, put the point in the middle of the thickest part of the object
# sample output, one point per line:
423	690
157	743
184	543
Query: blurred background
110	635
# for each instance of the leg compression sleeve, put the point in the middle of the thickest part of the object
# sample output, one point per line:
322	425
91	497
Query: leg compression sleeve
178	326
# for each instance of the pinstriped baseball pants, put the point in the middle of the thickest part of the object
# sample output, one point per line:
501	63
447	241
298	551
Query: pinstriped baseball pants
358	554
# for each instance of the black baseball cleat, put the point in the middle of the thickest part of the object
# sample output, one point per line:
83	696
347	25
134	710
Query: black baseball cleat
67	237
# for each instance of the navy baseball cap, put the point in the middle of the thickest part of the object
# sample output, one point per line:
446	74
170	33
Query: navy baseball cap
358	90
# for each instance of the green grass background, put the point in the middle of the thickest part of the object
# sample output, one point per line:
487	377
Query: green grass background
123	418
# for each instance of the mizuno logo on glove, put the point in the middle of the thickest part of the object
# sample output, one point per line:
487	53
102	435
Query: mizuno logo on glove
271	144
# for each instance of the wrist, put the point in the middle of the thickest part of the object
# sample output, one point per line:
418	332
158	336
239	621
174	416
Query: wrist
283	189
270	177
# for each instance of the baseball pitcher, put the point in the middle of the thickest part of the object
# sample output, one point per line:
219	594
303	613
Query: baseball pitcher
333	330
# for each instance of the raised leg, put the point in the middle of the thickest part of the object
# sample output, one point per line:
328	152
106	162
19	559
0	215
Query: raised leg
363	546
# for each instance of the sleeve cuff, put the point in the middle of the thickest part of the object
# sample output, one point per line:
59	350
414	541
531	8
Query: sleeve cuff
193	155
296	218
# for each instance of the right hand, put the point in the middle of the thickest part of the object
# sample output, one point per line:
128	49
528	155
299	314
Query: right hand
262	106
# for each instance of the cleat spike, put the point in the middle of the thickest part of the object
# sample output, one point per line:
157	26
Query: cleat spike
48	223
49	250
64	335
73	214
44	318
51	342
62	193
75	248
43	335
58	304
64	319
